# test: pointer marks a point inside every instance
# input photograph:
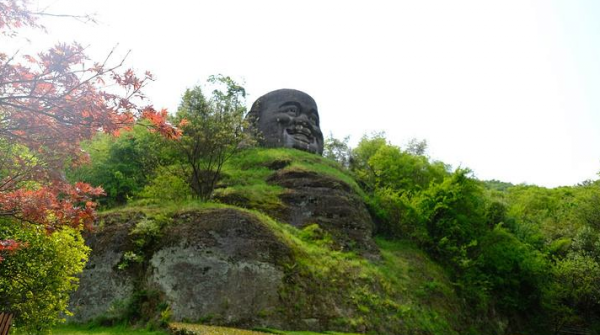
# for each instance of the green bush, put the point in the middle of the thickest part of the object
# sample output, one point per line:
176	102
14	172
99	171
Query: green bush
167	185
36	281
123	165
453	215
513	272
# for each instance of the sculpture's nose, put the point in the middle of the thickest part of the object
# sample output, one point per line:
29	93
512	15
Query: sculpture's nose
302	118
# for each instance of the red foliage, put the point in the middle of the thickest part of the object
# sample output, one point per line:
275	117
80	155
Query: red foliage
49	103
8	245
52	205
13	15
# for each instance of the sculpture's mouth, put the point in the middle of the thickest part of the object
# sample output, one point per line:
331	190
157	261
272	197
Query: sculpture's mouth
301	134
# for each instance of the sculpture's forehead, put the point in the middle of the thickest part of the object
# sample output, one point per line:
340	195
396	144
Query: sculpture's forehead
279	97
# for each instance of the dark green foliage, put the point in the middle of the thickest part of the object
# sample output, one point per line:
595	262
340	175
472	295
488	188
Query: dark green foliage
512	274
589	204
508	247
560	224
573	294
453	216
395	214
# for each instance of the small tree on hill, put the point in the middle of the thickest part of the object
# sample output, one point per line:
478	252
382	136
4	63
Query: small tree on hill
338	150
212	132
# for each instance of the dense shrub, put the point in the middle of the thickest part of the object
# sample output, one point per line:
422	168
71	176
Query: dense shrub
36	280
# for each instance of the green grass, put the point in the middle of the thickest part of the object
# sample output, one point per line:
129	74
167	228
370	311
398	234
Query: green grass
246	175
73	329
96	330
289	332
213	330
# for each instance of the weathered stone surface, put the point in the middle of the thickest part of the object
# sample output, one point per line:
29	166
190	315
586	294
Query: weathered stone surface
222	265
332	204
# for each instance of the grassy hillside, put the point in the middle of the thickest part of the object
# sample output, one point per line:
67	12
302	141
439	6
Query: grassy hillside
245	176
403	291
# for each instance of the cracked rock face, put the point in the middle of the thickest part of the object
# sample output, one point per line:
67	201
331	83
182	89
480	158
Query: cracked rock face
332	204
100	285
220	264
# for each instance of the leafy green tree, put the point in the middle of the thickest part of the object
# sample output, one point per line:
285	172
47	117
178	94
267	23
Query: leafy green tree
168	185
36	280
338	150
511	272
589	204
123	165
213	132
573	296
379	164
402	171
453	215
416	147
359	163
395	214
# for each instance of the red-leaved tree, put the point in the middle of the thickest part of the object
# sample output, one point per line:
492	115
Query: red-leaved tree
49	103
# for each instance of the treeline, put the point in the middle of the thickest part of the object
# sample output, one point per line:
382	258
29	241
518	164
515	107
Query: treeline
523	254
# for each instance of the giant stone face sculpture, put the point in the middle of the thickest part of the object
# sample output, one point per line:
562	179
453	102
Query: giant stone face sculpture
287	118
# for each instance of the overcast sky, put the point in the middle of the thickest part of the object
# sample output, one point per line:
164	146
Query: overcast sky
510	89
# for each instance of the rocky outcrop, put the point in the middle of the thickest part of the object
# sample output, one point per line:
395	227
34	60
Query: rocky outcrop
229	266
221	264
101	284
310	197
232	267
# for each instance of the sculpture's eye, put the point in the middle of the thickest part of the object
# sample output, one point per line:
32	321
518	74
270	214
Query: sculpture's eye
291	111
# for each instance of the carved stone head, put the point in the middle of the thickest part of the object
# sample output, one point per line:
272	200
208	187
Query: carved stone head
287	118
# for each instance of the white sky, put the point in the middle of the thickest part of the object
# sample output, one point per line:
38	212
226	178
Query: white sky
510	89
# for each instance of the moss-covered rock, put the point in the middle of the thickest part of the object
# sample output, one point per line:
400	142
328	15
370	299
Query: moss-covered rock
299	256
301	189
